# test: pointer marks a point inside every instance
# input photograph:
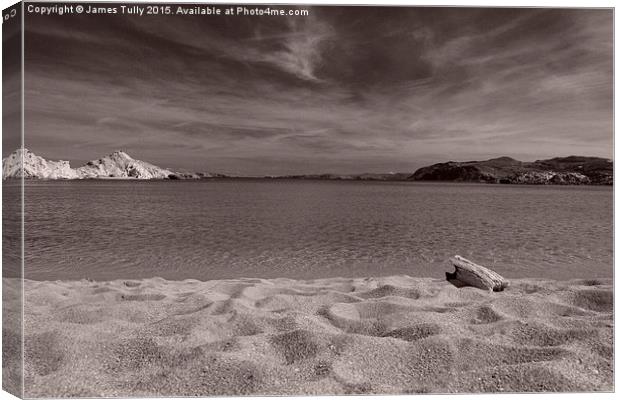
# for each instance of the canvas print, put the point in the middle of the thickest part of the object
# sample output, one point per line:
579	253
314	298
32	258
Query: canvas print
229	200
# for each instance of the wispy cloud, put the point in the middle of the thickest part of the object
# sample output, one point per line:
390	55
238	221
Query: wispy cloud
301	49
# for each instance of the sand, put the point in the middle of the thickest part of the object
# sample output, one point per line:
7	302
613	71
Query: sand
334	336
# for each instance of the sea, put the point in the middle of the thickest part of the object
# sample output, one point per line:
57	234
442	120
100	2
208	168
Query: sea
305	229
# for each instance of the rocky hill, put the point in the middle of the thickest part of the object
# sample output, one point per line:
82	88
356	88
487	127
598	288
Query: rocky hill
116	165
120	165
35	167
573	170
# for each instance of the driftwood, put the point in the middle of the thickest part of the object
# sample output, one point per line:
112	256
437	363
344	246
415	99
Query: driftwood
468	273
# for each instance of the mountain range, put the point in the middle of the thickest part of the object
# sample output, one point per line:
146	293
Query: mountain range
572	170
117	165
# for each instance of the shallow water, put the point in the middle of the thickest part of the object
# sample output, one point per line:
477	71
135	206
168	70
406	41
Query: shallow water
312	229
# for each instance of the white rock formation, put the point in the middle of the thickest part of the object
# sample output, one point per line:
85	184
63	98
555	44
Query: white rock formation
120	165
35	167
115	165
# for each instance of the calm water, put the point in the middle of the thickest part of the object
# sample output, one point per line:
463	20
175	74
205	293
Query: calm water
310	229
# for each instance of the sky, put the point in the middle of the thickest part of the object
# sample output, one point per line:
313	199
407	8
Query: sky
342	90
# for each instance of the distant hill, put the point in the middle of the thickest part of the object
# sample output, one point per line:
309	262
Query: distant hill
116	165
35	167
400	176
120	165
573	170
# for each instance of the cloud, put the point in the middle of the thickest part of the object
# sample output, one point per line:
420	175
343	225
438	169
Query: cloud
346	90
301	49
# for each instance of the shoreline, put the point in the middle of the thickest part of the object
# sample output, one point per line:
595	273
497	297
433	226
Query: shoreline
276	179
606	280
387	335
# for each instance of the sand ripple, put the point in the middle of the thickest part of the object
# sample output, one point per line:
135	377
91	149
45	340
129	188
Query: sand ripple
334	336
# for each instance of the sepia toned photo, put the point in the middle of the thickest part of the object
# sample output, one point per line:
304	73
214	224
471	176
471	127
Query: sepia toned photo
290	200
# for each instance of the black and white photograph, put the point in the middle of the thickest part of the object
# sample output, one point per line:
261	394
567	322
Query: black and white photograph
208	199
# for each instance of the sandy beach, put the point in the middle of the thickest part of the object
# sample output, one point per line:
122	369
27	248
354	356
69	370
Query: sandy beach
333	336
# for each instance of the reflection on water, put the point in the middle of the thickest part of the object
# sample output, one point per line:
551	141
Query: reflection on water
310	229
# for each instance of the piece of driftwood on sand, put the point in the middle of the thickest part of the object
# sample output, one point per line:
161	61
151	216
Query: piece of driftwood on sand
468	273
